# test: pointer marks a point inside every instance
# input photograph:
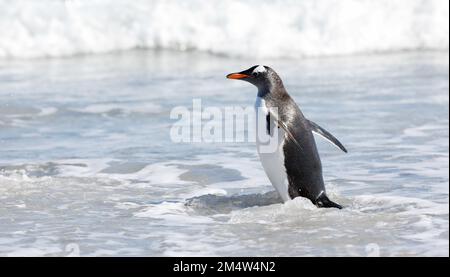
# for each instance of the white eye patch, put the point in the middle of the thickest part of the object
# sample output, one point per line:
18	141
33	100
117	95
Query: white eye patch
259	69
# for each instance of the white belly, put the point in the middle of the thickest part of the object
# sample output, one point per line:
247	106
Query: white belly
270	150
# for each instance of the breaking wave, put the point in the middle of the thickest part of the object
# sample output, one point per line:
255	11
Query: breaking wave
257	29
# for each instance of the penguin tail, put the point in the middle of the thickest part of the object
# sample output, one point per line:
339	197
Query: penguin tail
324	202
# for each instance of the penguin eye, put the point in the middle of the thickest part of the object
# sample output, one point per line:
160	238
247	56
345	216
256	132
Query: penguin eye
255	74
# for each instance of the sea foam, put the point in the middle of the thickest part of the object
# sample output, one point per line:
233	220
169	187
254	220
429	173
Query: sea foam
259	29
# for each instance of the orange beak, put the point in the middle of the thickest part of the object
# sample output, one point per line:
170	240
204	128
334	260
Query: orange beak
237	76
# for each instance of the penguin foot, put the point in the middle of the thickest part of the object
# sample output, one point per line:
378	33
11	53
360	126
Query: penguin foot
324	202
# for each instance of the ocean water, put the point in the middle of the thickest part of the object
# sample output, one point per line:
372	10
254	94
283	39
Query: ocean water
257	28
87	166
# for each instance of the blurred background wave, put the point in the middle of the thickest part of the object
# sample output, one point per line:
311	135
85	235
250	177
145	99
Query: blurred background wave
269	29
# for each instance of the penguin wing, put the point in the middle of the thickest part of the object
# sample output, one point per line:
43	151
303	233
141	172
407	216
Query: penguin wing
315	128
283	126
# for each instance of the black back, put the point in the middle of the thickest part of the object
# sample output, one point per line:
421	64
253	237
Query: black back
302	160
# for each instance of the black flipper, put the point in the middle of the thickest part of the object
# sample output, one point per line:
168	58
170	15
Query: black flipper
325	134
324	202
286	129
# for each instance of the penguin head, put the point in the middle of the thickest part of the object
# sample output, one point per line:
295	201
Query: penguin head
263	77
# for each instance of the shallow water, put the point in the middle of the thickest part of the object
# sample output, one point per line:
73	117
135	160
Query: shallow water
87	166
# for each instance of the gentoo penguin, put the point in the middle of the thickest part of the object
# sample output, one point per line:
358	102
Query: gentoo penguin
293	165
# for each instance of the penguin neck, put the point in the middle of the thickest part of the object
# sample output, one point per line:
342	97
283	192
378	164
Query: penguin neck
272	91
